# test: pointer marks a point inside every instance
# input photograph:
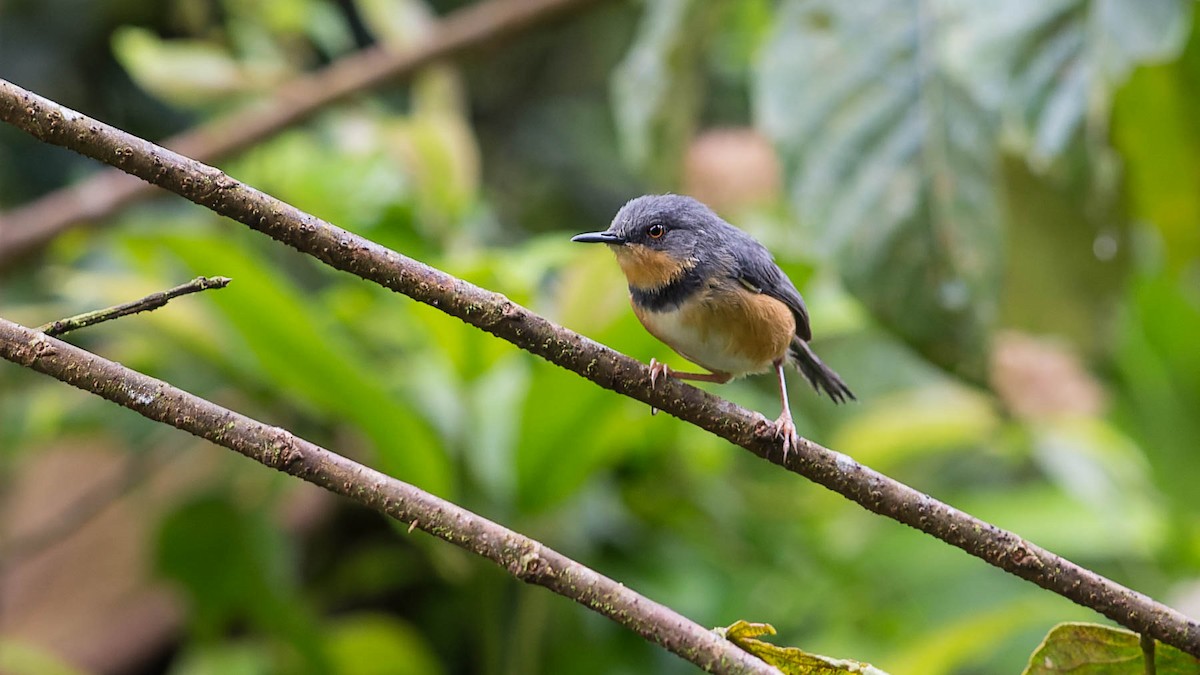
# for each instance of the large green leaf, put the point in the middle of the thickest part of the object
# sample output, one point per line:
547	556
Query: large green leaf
891	164
1051	65
1159	370
1156	126
1092	649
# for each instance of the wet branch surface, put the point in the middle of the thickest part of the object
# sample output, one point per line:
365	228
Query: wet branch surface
499	316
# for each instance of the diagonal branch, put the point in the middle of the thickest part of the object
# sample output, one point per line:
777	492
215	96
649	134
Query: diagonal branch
524	558
146	304
31	226
500	316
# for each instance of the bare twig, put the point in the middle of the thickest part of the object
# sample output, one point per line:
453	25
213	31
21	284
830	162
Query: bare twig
31	226
500	316
150	302
524	558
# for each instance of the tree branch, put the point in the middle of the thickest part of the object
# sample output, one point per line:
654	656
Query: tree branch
146	304
31	226
524	558
1149	667
500	316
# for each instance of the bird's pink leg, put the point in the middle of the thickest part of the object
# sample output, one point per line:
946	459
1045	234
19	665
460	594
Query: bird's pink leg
659	369
785	428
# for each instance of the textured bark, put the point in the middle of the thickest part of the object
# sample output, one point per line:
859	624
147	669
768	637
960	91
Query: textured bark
149	303
498	315
277	448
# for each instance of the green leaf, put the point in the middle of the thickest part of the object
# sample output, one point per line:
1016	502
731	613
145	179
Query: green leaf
238	658
891	165
438	148
790	660
1053	65
1092	649
230	562
236	566
1074	256
18	658
961	642
893	430
184	72
378	644
338	175
287	342
397	23
1159	368
1163	167
656	88
1096	463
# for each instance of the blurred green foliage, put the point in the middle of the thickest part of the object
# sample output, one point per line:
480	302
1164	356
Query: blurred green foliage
953	174
1099	650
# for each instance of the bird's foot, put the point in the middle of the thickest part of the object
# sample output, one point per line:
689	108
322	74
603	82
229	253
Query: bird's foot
785	431
657	369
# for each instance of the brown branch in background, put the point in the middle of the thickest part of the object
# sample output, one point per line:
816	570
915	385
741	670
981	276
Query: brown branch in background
1147	644
29	227
524	558
500	316
150	302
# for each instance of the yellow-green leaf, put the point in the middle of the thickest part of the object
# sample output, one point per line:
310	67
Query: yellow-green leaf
790	660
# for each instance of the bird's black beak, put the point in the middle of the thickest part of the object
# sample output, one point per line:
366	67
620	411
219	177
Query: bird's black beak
599	238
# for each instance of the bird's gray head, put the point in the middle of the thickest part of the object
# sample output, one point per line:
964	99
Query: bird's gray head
670	223
657	237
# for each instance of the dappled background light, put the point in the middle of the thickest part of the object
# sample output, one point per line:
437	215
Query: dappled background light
992	210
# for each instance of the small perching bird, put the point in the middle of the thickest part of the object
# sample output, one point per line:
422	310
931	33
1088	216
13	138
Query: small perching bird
714	295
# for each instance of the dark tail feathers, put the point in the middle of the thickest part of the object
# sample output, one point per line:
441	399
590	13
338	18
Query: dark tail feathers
819	375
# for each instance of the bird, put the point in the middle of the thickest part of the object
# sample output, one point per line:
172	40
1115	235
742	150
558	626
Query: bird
714	295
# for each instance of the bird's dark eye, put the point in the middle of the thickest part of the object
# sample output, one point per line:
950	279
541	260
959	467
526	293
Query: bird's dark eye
656	230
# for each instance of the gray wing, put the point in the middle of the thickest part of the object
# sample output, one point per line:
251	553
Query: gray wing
758	272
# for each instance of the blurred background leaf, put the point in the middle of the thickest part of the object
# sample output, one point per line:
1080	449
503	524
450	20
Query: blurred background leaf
892	161
991	209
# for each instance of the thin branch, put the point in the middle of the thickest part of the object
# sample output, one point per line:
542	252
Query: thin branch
503	318
524	558
31	226
146	304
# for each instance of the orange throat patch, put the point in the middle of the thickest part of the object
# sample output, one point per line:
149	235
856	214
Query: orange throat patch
647	268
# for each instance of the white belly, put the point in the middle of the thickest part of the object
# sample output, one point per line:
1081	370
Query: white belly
713	349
